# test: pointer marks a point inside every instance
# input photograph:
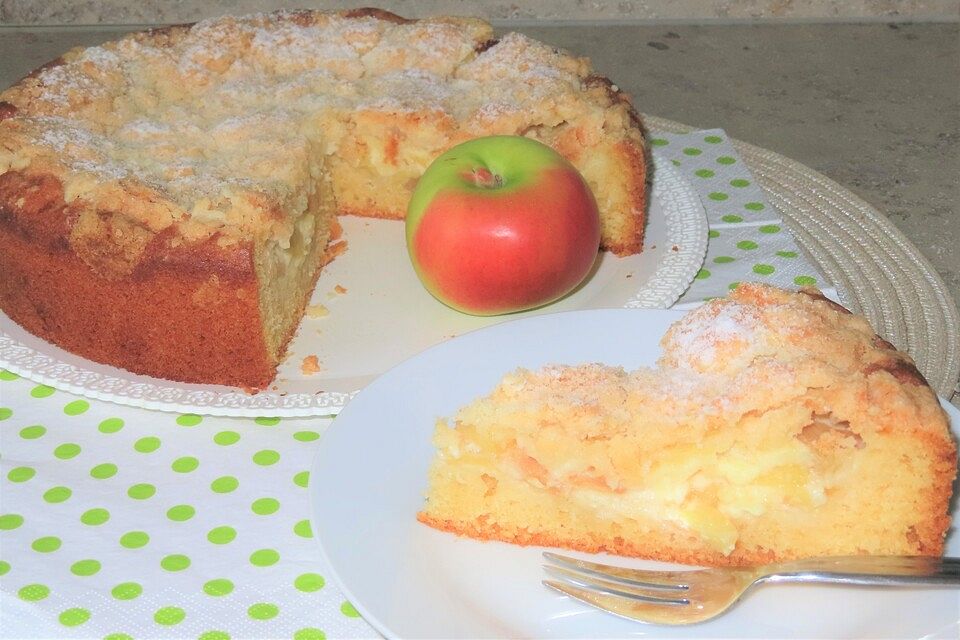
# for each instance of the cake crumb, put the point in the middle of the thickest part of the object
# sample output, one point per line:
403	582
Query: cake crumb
310	366
340	289
317	311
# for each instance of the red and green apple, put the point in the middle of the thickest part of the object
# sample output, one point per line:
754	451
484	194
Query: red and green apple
501	224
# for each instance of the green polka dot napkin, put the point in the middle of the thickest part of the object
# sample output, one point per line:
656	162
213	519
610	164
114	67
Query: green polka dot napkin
748	240
126	523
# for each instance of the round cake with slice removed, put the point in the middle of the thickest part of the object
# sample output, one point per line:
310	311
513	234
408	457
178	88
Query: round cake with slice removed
167	200
776	425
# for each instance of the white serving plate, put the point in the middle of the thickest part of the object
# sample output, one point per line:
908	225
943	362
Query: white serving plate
410	581
384	317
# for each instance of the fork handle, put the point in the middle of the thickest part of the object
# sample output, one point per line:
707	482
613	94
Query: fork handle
869	570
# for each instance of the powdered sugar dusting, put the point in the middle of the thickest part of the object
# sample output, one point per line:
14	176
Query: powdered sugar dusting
519	57
495	110
81	149
146	128
61	83
100	57
720	324
407	90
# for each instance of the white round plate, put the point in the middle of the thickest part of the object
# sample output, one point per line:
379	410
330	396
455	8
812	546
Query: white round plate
410	581
382	316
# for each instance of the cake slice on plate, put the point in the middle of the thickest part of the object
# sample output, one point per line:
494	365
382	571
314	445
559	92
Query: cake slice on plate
776	425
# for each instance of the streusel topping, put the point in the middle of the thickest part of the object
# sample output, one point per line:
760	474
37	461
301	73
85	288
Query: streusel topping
222	123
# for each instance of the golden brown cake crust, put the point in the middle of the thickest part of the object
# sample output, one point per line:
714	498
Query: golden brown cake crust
164	320
653	547
139	324
76	238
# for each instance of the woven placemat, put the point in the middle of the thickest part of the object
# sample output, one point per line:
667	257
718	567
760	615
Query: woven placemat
875	268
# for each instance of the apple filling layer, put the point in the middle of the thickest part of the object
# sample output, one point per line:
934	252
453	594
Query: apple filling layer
709	490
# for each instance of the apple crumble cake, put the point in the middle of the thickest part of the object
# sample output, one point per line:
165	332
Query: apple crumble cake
775	425
167	200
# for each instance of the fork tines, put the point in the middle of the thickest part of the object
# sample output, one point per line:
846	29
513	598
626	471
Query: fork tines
657	596
625	589
660	587
677	580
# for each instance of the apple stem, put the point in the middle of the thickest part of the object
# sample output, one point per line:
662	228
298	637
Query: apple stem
483	177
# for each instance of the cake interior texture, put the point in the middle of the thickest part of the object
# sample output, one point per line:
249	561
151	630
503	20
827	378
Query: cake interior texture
775	426
184	181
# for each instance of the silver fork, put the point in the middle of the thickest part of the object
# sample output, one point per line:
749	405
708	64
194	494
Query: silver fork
687	597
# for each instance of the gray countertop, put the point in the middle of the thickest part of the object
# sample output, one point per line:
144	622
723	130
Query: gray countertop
876	107
72	12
